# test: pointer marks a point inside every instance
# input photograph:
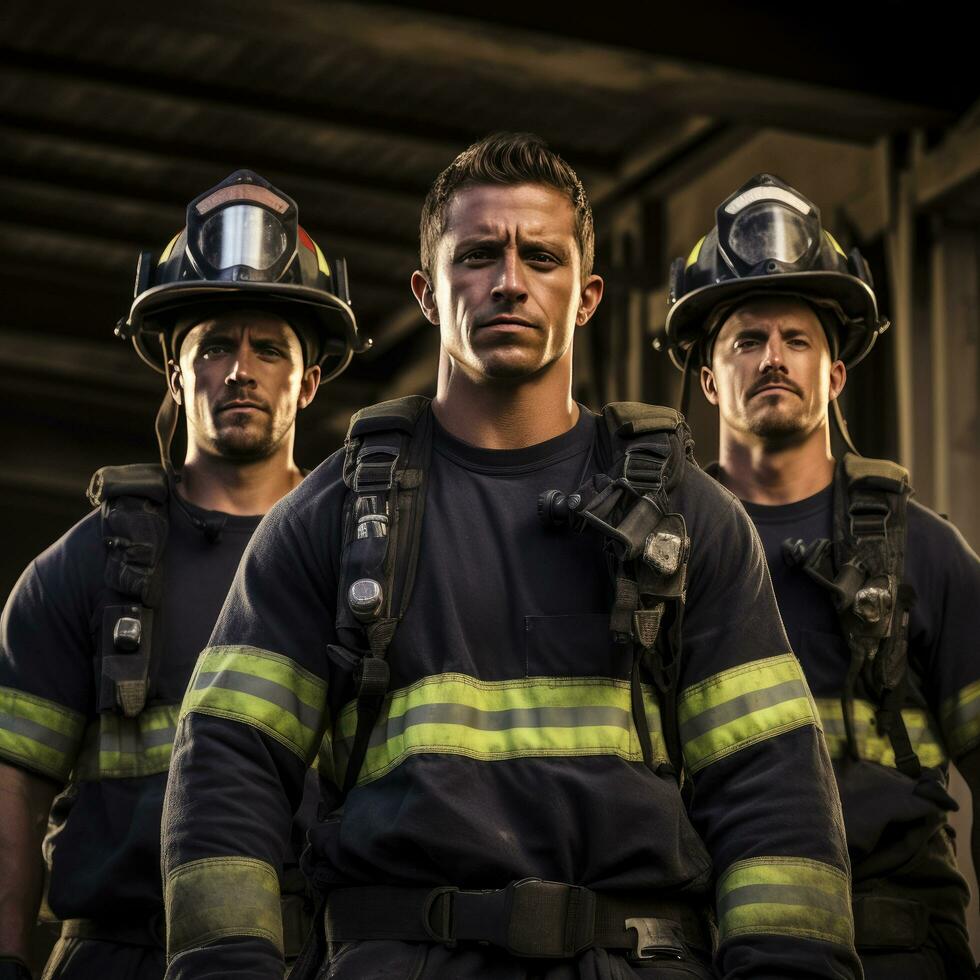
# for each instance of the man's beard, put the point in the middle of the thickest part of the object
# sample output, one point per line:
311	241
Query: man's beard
246	444
778	426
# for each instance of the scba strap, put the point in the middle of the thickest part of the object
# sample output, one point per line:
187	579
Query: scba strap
134	524
862	568
643	451
387	454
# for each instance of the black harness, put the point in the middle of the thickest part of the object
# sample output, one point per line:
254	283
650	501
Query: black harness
862	569
643	450
135	525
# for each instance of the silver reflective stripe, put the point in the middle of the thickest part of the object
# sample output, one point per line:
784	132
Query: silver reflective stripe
260	687
499	721
117	748
800	895
37	732
741	705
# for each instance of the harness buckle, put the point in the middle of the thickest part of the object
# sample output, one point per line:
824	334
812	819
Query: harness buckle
656	939
379	476
662	552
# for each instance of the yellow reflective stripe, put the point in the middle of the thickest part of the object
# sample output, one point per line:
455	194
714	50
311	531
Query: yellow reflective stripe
871	746
39	734
165	254
741	706
115	747
262	689
961	719
219	897
833	241
320	260
454	714
695	252
784	896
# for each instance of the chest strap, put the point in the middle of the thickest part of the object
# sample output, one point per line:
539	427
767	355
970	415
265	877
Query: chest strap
643	450
134	527
387	455
862	570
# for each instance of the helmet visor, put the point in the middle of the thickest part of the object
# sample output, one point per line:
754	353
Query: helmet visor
242	234
770	231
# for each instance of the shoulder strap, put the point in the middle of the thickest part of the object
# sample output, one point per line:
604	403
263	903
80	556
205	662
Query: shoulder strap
385	464
643	449
133	501
870	534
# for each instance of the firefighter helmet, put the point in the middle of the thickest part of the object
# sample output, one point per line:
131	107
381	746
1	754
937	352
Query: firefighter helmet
768	239
242	244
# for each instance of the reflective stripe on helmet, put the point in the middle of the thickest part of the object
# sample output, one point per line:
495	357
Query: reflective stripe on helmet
960	716
262	689
219	897
872	746
455	714
695	252
741	706
785	896
115	747
39	734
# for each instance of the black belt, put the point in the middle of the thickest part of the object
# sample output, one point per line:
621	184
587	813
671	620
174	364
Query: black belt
532	918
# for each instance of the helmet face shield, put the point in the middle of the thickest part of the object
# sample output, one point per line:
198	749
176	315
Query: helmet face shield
241	235
769	231
242	231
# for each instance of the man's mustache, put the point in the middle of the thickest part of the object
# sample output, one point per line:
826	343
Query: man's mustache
775	379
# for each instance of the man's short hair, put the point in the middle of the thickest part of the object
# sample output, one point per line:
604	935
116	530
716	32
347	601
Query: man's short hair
506	159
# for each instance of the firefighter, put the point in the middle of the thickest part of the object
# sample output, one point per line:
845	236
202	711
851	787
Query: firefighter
540	652
879	595
245	316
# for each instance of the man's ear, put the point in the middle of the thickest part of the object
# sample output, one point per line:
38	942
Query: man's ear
308	386
592	291
838	378
422	289
708	385
175	381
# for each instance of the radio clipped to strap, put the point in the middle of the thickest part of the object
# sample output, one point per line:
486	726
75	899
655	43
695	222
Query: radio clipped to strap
862	569
386	458
643	449
133	501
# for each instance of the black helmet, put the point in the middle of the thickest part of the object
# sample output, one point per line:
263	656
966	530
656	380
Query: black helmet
768	238
242	244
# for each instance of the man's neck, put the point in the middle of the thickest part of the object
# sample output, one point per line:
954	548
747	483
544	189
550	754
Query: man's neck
233	487
506	415
772	473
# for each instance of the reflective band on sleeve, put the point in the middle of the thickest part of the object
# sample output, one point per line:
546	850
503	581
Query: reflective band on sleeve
454	714
39	734
871	745
742	706
115	747
218	897
262	689
784	896
961	719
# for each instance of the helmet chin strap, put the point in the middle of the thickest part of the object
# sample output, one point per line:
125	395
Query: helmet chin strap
165	428
684	398
841	424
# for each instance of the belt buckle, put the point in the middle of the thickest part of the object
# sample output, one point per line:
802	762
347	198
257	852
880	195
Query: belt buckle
656	939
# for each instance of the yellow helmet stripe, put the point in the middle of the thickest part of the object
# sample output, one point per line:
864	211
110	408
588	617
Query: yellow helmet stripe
165	254
695	252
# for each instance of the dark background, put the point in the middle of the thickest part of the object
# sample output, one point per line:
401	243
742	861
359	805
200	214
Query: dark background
112	117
